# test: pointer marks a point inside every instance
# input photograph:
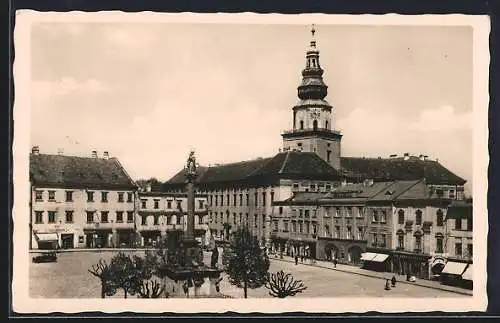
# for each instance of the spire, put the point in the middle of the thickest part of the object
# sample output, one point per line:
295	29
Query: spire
312	86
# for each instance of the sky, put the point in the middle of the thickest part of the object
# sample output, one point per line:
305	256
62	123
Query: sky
150	92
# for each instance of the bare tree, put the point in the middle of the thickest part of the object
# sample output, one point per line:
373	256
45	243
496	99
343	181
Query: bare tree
151	289
103	271
282	285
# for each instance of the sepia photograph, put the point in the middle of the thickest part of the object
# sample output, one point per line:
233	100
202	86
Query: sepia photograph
249	162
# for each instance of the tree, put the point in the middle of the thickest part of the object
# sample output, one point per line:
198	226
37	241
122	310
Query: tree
129	273
246	263
103	271
282	285
151	289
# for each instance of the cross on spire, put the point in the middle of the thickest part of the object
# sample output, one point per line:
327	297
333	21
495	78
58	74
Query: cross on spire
313	30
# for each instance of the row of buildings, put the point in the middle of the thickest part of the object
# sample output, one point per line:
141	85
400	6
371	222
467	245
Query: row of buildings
405	213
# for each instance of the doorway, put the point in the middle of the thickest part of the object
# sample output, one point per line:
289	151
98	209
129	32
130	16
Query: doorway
67	241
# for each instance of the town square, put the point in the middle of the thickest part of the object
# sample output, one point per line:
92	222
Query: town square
192	161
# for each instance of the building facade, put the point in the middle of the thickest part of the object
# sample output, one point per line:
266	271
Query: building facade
79	202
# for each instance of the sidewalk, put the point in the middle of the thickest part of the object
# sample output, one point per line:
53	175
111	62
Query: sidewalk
92	250
381	275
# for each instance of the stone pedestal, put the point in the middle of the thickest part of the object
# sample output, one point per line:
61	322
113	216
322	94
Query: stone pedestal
178	278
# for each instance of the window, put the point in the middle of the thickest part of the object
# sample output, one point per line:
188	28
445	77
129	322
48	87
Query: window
327	187
301	227
439	193
328	155
69	216
401	217
315	228
227	200
264	195
241	199
256	197
295	186
418	217
216	200
469	223
119	216
383	240
418	243
301	125
144	204
285	229
294	226
255	220
458	224
336	212
52	216
234	218
156	220
263	220
69	196
234	199
452	194
327	230
275	225
130	216
280	210
143	220
313	187
38	195
440	218
129	197
375	216
90	216
52	195
337	231
469	250
241	218
179	204
382	217
306	213
90	196
349	233
401	241
248	199
120	197
104	216
272	197
104	197
374	239
360	233
348	212
200	219
458	249
306	227
169	204
439	244
38	216
156	204
201	204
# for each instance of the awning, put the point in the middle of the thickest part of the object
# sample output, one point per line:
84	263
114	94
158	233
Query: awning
367	256
47	237
467	275
454	268
380	257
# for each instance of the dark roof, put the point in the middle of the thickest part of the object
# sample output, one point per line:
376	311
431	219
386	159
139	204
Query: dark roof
397	190
73	171
384	169
459	209
290	165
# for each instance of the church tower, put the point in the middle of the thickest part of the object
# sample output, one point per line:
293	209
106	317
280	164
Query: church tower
312	120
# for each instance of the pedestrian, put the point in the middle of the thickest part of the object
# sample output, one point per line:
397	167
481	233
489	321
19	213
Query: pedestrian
387	287
301	258
296	260
393	281
335	263
407	277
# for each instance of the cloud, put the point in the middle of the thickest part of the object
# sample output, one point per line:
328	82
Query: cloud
442	119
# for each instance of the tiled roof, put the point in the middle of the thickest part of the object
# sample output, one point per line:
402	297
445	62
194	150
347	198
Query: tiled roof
73	171
414	168
289	164
396	190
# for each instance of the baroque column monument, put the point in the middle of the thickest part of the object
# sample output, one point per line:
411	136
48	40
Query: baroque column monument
186	275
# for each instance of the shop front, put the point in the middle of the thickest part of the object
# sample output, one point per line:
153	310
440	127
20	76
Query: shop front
343	250
98	238
150	238
454	271
376	261
414	264
47	240
125	238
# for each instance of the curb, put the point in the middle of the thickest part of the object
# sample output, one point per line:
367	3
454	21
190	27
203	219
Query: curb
382	278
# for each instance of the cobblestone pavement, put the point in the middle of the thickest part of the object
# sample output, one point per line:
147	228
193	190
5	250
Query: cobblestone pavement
69	278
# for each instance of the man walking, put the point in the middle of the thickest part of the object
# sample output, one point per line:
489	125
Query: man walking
334	262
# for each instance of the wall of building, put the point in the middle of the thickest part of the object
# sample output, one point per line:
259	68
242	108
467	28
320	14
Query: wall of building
462	236
318	145
79	206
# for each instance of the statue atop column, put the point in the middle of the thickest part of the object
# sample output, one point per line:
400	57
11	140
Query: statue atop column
191	166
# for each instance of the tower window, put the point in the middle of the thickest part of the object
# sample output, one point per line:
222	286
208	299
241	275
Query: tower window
328	155
315	125
301	124
326	124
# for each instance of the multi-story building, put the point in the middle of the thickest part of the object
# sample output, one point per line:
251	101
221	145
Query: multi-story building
161	214
80	201
311	161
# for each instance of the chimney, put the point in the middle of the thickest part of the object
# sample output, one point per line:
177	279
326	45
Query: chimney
94	153
35	150
406	156
105	155
60	151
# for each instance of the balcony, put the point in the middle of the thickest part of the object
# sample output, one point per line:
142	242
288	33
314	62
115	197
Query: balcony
312	131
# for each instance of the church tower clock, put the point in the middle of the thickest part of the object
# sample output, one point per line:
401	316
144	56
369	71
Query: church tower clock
312	129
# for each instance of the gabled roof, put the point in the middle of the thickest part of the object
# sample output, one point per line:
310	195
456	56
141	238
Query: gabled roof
395	190
289	165
413	168
73	171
